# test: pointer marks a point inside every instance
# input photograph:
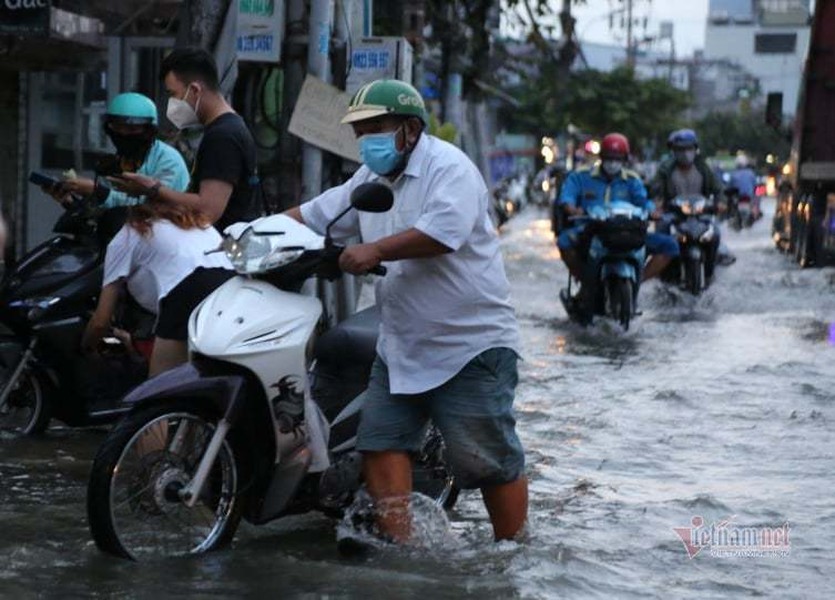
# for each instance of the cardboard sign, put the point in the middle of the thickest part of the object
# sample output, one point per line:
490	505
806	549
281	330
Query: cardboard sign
316	118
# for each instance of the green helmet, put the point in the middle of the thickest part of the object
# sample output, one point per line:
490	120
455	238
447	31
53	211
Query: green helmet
386	97
132	108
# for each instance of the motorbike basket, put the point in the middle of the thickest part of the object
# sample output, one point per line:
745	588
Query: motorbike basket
620	234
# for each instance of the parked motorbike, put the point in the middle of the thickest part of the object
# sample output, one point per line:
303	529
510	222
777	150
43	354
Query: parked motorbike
45	302
694	227
740	213
616	237
242	430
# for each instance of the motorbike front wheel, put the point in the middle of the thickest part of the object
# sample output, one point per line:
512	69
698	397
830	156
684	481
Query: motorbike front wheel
134	507
27	410
694	276
619	300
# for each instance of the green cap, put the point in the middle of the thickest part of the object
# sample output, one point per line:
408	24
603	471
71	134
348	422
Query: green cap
133	108
386	97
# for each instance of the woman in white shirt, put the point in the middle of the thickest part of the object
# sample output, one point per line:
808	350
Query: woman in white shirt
162	254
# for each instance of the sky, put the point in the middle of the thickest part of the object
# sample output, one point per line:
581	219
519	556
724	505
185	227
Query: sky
689	18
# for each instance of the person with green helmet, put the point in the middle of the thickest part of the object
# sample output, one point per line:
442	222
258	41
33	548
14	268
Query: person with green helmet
131	123
448	343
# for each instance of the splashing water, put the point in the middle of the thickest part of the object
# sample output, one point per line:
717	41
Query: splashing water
430	525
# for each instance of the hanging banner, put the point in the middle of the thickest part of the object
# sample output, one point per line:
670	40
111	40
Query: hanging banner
260	28
24	17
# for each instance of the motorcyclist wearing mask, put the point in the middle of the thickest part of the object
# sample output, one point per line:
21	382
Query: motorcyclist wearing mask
224	185
448	335
131	123
687	174
605	181
744	179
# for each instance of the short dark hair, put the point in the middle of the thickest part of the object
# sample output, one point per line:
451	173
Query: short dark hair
191	64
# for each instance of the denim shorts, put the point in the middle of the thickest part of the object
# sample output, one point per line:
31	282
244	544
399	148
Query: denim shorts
473	411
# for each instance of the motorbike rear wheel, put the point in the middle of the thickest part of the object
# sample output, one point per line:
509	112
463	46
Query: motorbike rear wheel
27	410
431	476
133	505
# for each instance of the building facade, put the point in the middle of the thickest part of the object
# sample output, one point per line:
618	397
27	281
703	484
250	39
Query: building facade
767	38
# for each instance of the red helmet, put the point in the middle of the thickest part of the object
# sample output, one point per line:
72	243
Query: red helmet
615	145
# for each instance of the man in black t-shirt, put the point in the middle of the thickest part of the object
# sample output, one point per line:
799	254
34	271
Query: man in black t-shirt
224	183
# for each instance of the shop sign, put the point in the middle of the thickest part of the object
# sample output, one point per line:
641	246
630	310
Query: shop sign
260	29
24	17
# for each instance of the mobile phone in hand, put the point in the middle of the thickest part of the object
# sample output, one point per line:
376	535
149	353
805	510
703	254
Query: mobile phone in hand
43	180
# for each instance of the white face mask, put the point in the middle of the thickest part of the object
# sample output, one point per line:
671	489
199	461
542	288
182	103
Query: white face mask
181	114
612	167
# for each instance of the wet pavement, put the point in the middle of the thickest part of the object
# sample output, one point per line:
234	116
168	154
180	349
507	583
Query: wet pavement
719	408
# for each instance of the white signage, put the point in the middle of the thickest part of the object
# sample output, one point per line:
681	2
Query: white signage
260	28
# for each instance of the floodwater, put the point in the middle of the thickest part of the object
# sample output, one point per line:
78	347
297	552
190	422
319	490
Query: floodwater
720	409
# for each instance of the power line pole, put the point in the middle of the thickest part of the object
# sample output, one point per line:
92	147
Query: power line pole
630	47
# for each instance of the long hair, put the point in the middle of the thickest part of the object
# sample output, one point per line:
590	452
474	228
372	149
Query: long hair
142	216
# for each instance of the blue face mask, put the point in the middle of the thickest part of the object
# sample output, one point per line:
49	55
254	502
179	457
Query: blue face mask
379	152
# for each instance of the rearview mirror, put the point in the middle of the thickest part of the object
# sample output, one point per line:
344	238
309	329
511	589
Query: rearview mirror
372	197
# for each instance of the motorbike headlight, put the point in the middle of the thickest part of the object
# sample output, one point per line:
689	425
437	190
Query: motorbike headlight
36	306
254	253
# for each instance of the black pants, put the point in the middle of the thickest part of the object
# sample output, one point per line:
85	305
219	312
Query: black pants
176	307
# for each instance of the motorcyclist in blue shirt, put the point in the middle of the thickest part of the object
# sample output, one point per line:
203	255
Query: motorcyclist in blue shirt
131	123
606	181
744	180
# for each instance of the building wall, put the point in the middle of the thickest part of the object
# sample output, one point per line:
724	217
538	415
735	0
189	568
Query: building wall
776	72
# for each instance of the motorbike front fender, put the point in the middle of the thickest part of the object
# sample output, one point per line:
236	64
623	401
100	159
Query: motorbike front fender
620	269
186	381
694	253
11	350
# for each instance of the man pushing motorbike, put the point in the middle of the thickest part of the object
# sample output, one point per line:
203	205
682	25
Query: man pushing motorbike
448	341
606	181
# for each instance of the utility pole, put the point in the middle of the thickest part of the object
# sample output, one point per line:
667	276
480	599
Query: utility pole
318	65
630	52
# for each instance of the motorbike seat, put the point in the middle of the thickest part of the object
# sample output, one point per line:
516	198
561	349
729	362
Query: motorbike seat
351	341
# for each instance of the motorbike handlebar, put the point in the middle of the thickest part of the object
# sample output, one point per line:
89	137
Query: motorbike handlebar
378	270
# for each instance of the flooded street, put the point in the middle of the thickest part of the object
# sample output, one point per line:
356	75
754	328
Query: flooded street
720	408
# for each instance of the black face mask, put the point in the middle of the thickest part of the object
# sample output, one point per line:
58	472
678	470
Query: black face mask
131	146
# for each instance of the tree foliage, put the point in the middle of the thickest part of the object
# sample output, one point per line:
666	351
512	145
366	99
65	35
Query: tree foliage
462	30
598	102
730	133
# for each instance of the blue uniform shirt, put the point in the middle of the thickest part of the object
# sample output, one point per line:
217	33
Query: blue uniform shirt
589	187
164	163
744	180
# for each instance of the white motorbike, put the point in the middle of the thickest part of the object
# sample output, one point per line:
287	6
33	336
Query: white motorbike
261	423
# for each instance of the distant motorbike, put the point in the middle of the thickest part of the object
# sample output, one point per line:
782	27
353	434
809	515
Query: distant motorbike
45	302
244	430
502	206
693	225
739	213
616	237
